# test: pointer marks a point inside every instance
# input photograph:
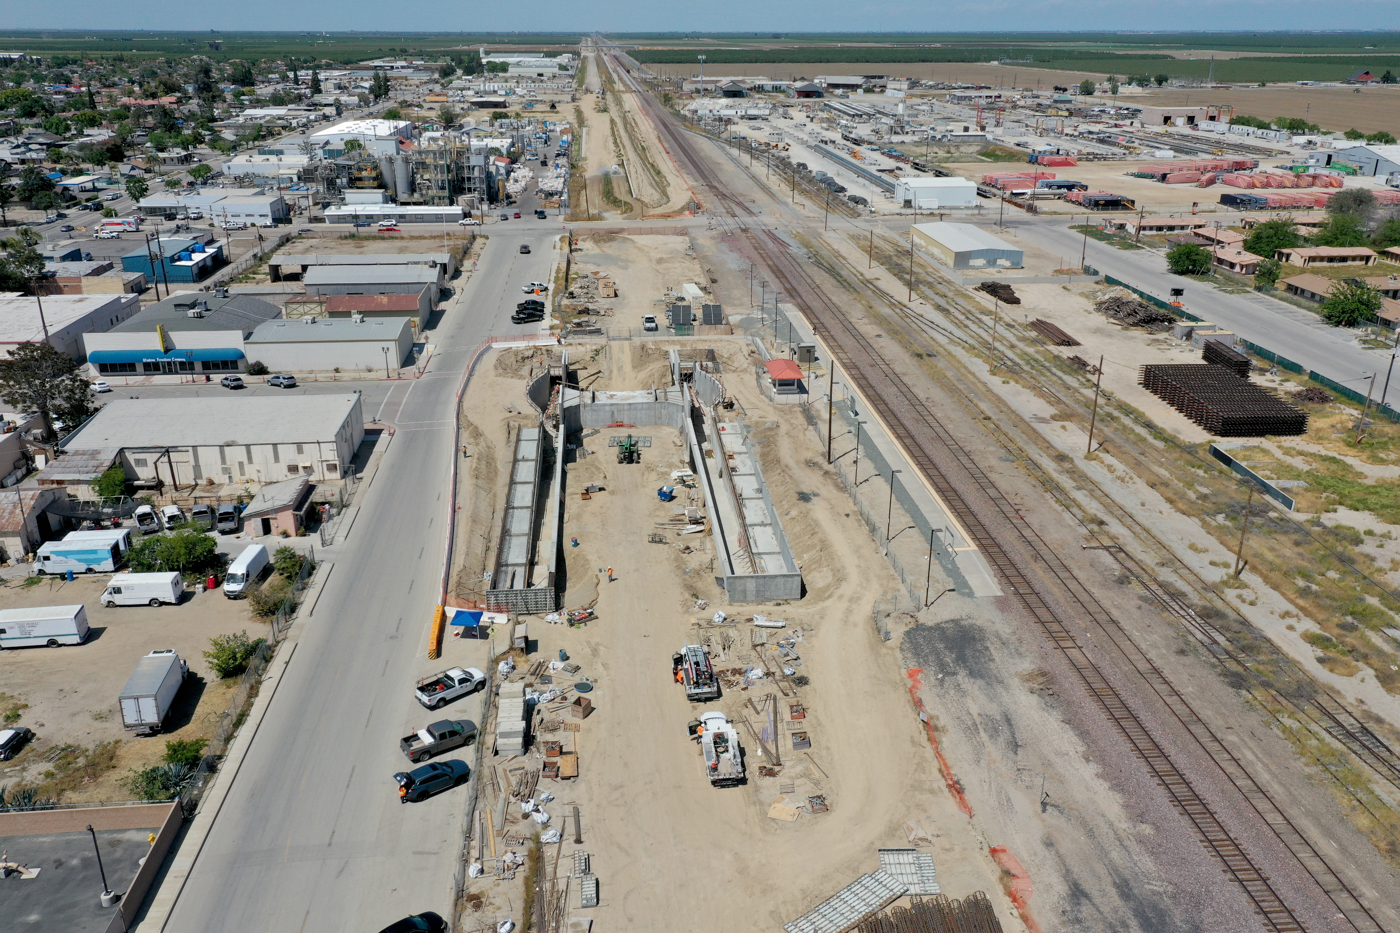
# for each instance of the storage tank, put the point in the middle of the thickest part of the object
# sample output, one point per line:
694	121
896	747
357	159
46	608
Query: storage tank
403	180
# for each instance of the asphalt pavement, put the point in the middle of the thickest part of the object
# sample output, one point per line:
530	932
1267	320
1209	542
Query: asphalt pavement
1291	332
311	837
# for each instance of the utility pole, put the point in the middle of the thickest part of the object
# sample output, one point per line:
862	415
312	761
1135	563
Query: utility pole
42	322
1093	418
1240	562
1084	249
750	284
859	425
1137	237
1386	389
996	317
928	579
889	512
827	215
1361	422
870	254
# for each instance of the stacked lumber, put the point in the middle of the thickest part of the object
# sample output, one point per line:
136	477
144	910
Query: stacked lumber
1133	313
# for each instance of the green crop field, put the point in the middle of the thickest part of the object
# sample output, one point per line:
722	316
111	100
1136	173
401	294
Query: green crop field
341	47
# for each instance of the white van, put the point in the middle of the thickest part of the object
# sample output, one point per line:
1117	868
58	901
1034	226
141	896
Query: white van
245	571
43	625
143	589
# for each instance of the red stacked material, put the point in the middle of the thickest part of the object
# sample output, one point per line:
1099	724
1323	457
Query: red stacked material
1181	178
1208	179
1236	180
1387	197
1078	197
995	178
1058	161
1205	165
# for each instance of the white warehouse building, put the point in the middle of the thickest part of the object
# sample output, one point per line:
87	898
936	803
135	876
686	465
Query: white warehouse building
347	344
935	193
193	441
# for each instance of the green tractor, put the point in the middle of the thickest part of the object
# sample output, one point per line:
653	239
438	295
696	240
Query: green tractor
629	451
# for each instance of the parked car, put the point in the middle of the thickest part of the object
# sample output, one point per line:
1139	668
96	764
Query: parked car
389	226
505	217
146	519
202	516
110	235
535	287
431	778
441	736
426	922
113	196
13	740
517	215
283	381
363	223
101	386
172	516
524	247
539	213
530	304
68	228
527	317
231	382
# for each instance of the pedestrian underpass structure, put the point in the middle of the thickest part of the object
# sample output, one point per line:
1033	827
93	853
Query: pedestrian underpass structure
755	561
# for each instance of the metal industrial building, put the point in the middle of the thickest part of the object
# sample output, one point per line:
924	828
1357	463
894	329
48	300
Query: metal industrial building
68	317
373	280
935	193
378	137
265	439
291	267
1371	160
183	261
963	246
192	333
349	345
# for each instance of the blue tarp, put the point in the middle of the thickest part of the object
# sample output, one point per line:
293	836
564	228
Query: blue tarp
466	617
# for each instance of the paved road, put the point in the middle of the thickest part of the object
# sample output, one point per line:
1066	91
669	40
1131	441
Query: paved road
312	838
1291	332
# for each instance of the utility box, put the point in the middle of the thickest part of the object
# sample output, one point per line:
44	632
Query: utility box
806	353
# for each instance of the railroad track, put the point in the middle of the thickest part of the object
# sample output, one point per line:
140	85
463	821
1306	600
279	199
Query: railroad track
923	437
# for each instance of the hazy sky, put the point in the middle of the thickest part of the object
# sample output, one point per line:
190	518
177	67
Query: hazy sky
717	15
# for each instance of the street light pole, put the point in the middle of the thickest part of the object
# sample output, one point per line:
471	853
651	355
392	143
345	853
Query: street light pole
386	361
859	425
108	897
889	512
830	404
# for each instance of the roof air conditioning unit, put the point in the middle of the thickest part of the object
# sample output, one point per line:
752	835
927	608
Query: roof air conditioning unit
221	292
195	312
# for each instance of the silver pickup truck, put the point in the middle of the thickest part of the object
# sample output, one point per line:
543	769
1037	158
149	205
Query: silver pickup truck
440	736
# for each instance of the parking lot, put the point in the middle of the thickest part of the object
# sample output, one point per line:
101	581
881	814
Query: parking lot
71	692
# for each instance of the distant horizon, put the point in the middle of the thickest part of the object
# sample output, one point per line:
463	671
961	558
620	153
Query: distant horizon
39	31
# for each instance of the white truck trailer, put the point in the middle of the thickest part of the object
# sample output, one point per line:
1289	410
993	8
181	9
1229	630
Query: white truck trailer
150	692
43	625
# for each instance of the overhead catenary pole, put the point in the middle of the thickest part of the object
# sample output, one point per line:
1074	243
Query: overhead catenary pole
928	580
889	512
859	425
1240	562
830	404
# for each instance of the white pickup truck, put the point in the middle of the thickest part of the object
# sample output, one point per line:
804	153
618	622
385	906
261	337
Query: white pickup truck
440	689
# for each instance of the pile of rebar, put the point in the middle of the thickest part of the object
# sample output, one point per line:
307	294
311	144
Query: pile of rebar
937	914
1311	394
1003	293
1053	334
1221	402
1218	354
1133	313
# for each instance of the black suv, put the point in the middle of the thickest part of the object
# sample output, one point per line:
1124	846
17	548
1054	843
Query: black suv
422	783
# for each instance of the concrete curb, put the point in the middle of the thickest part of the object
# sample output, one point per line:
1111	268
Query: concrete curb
182	862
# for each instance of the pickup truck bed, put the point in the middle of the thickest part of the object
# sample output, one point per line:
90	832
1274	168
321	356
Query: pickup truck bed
440	736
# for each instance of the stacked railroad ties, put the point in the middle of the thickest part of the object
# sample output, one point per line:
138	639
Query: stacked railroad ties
1218	396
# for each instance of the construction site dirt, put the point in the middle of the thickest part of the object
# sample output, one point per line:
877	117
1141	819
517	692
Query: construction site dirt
1228	765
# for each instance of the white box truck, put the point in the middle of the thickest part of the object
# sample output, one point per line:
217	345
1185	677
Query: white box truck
78	556
143	589
149	694
122	537
245	571
43	625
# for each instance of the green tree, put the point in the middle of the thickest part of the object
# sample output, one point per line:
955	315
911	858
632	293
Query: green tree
1381	138
1350	303
1387	234
1354	133
228	655
37	377
1270	236
1188	259
137	188
184	551
1295	125
160	141
446	70
172	182
201	172
1113	88
112	483
88	119
1160	80
7	197
315	82
1086	87
32	181
1266	276
447	115
1341	230
242	75
1355	201
1388	77
393	113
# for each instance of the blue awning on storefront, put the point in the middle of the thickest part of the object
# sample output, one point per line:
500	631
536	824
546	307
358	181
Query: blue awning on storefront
199	355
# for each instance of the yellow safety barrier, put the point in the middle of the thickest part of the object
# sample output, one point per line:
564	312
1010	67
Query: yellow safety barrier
435	636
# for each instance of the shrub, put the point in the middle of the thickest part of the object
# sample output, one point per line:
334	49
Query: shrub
257	368
111	484
1268	273
287	562
228	655
185	752
268	597
161	782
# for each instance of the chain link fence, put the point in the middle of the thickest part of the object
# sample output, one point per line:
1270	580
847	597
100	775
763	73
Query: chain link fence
249	682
